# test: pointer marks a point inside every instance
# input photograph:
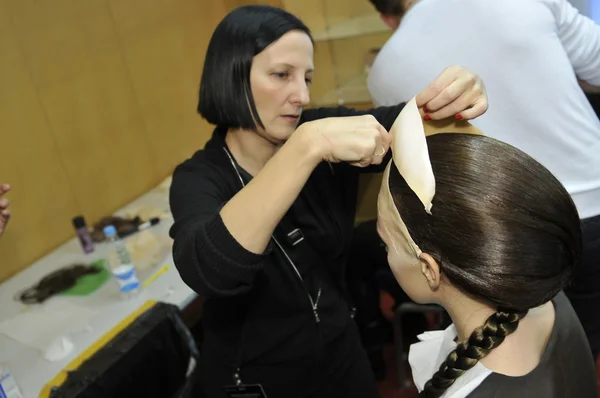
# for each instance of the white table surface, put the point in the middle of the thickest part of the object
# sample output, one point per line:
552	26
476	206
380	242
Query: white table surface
28	365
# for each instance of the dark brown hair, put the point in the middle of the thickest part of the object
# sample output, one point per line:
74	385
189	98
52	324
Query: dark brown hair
503	229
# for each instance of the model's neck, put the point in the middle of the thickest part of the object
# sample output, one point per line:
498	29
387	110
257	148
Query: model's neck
521	351
467	314
250	150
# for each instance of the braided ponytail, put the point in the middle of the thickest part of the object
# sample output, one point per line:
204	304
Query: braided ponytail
466	355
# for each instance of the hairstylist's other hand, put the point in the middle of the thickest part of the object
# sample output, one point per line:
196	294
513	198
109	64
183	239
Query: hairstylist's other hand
4	212
358	140
455	93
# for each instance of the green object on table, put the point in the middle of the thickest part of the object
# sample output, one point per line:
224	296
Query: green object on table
88	284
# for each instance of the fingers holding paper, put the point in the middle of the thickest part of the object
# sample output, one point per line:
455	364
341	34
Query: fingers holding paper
358	140
457	93
381	143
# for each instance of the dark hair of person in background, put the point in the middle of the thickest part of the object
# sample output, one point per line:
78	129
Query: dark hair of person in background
389	7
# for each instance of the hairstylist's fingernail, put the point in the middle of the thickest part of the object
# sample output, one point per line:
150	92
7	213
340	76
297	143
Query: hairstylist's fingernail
425	109
458	117
426	117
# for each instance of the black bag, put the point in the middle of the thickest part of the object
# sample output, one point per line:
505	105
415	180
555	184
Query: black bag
155	356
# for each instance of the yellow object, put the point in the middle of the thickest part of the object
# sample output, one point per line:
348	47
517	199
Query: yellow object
155	275
60	378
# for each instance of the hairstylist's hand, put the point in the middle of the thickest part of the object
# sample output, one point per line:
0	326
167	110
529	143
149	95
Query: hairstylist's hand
455	93
358	140
4	212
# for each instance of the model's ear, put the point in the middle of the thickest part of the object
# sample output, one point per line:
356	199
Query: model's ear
430	270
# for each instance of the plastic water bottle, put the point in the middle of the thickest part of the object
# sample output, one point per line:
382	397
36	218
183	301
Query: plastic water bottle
8	385
121	265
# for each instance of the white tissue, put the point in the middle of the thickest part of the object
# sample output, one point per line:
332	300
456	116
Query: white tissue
426	356
59	349
42	325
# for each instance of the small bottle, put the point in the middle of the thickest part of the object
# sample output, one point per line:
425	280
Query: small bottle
87	243
120	264
8	385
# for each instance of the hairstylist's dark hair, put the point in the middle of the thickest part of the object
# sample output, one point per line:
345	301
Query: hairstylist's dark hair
389	7
503	229
225	93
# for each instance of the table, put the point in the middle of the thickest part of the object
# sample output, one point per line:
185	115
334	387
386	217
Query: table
30	369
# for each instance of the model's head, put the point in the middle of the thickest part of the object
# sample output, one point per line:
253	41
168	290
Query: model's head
257	72
503	231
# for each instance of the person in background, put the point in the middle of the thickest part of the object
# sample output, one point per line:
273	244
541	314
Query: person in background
501	243
4	211
531	54
264	214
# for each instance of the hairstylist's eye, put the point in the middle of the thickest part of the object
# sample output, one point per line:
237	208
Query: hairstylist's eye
281	75
308	80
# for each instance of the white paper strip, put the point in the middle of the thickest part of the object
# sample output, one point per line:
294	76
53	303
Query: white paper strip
411	155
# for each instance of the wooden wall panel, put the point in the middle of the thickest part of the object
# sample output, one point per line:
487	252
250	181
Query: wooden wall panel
324	79
41	198
337	11
349	55
58	36
98	106
93	112
167	93
101	137
231	4
311	12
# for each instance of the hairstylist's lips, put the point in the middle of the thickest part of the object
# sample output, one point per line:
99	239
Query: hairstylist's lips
291	118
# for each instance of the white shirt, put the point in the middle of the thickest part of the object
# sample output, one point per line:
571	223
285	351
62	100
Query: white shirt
528	53
438	344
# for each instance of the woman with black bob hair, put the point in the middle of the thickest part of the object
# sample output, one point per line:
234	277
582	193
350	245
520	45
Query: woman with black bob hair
264	213
501	243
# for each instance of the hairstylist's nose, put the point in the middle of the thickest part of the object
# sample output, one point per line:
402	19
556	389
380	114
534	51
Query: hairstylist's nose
305	97
301	94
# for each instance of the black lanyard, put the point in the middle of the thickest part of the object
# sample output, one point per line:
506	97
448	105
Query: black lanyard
314	302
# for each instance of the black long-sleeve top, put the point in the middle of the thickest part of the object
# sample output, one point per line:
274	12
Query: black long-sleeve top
257	301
